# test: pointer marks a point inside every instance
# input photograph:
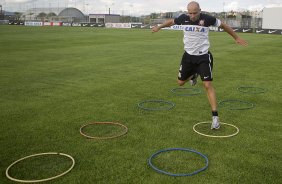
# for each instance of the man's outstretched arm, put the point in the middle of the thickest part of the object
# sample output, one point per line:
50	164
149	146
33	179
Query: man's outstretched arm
230	31
167	23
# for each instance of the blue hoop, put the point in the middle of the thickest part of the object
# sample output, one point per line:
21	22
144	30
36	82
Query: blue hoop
140	105
181	174
251	105
195	90
241	89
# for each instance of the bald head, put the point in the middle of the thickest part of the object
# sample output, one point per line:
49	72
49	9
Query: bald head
193	4
194	11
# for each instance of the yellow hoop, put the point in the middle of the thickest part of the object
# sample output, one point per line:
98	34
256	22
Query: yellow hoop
41	180
103	138
217	136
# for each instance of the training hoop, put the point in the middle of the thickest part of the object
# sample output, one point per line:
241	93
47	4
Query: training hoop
103	138
171	105
194	91
181	174
248	89
250	105
40	180
218	136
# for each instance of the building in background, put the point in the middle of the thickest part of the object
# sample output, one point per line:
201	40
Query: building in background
104	18
72	15
40	14
1	13
54	14
272	18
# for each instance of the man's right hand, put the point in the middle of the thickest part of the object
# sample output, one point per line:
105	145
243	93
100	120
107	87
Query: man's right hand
155	29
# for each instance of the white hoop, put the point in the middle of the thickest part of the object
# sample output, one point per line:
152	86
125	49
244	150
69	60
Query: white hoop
40	180
103	138
218	136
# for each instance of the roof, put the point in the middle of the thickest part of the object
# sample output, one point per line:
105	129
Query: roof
105	14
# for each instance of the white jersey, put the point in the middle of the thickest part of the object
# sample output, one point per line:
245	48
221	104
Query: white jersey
196	40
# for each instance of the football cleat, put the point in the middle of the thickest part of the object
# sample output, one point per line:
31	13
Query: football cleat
193	80
215	122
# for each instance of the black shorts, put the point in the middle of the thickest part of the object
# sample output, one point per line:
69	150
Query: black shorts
191	64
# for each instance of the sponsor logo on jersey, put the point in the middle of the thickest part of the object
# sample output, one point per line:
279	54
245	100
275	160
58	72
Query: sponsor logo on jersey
202	22
178	27
195	29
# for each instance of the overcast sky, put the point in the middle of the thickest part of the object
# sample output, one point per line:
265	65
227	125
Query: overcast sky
137	7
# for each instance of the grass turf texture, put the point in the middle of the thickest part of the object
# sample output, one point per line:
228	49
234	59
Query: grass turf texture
55	79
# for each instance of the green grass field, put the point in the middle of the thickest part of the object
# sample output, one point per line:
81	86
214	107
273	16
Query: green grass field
55	79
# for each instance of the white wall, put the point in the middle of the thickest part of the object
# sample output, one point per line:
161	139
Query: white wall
272	18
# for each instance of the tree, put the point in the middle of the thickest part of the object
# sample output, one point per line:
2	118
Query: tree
51	15
153	16
125	19
18	15
30	14
41	16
